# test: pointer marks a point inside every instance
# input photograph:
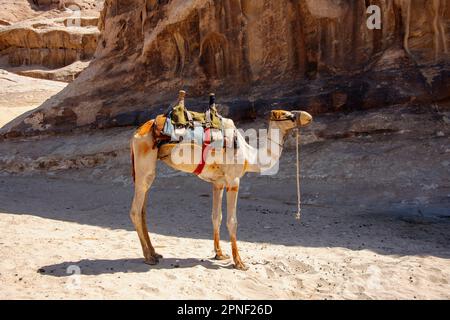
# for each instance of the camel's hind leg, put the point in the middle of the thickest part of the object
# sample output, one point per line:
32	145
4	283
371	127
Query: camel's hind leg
144	167
217	220
232	194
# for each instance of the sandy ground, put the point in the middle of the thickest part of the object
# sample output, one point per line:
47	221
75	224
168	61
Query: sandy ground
52	226
20	94
375	217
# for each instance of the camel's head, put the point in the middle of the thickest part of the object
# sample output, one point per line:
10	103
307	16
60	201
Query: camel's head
291	119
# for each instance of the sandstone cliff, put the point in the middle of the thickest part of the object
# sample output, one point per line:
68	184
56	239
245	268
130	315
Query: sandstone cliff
41	40
315	55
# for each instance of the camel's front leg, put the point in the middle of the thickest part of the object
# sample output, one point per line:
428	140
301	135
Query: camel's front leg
217	220
137	214
144	167
232	194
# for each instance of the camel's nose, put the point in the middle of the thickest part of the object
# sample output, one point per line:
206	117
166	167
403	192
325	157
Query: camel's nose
303	118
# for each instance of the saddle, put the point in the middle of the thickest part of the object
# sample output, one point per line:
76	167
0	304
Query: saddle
178	124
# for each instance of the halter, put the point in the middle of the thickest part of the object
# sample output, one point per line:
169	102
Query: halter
279	115
281	145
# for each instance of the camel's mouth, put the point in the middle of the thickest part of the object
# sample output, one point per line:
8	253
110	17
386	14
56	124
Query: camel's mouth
302	118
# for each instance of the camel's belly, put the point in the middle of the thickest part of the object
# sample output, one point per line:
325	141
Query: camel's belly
187	157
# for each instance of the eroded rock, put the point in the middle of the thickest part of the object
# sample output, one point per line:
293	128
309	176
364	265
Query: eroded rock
257	55
49	42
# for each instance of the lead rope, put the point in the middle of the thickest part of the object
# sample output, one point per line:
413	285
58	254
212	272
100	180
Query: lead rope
299	213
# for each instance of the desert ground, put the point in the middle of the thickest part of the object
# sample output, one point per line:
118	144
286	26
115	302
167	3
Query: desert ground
375	163
368	229
50	225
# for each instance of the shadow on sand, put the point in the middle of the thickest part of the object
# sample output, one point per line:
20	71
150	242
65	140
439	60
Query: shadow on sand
180	207
111	266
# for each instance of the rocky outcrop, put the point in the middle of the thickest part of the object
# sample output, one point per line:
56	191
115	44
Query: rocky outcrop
19	94
390	161
47	45
12	11
53	45
316	55
65	74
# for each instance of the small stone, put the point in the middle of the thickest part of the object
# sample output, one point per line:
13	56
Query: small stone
446	120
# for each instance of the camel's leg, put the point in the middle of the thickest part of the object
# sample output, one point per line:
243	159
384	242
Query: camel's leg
217	220
232	194
145	159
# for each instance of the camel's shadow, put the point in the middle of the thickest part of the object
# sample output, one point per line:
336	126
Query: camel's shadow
266	215
136	265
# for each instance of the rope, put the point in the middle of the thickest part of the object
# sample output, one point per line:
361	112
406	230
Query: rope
299	213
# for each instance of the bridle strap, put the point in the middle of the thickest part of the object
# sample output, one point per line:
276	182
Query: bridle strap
279	144
286	119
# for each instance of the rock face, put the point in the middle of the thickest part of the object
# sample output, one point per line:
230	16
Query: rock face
50	46
14	11
317	55
20	94
47	42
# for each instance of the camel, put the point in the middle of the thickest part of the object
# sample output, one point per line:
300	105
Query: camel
222	176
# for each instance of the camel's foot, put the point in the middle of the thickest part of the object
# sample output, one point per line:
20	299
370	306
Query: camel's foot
157	256
221	256
240	266
153	259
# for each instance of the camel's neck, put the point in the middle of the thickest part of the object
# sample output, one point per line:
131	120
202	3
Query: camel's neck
268	154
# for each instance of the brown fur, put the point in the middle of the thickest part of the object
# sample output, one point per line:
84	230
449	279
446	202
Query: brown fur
144	148
245	165
160	121
217	243
158	128
235	253
234	249
278	115
145	128
144	166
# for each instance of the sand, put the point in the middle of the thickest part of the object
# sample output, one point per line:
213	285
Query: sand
51	226
21	94
372	228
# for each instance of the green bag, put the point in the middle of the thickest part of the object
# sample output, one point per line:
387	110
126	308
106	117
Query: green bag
180	116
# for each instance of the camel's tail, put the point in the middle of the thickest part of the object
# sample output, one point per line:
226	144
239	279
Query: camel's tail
133	172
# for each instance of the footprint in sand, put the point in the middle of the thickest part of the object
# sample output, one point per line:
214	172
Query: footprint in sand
269	272
301	267
252	288
298	283
438	279
171	276
148	289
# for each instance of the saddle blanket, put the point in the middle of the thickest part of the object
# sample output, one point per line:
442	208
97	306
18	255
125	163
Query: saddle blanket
198	134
